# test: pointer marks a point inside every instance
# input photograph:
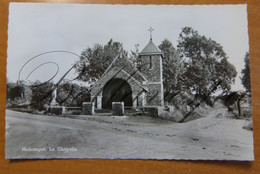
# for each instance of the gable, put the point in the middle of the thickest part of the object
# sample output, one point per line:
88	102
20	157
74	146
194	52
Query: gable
122	62
117	73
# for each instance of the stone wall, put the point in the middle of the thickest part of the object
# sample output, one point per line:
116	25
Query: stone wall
168	113
118	108
57	110
73	110
88	108
154	96
152	74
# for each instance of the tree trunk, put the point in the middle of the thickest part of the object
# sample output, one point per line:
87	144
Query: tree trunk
239	107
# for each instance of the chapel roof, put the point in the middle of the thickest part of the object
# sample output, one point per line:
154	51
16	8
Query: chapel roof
150	48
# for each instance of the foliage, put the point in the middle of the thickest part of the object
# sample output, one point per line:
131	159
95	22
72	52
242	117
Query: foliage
69	94
13	91
206	66
239	103
246	73
41	94
94	61
134	54
172	66
15	94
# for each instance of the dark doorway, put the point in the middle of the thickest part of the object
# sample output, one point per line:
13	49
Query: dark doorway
117	90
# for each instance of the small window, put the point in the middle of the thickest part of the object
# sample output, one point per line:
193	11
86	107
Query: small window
151	62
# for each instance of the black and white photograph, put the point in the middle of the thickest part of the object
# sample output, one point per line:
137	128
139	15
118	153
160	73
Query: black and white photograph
164	82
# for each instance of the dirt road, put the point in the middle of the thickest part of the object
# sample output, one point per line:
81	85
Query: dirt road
212	137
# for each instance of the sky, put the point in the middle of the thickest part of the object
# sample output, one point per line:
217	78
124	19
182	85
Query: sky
35	28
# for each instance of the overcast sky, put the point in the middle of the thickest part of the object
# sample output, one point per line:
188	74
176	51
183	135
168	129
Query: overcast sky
37	28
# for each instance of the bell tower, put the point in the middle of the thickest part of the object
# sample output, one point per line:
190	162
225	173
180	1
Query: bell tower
150	65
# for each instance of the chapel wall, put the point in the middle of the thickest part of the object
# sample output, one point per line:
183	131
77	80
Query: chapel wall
152	71
154	96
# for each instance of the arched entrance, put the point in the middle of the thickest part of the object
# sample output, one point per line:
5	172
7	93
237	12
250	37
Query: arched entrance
117	90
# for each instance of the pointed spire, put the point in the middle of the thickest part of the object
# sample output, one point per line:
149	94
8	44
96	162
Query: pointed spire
150	48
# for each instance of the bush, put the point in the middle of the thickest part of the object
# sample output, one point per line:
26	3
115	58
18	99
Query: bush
69	94
41	95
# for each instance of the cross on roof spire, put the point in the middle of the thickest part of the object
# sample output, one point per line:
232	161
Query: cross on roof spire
151	30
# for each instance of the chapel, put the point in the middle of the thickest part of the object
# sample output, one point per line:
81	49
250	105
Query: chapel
136	84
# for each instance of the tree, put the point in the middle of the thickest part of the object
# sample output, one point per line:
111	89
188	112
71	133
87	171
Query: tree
172	65
246	73
134	54
206	64
94	61
41	94
69	94
13	91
